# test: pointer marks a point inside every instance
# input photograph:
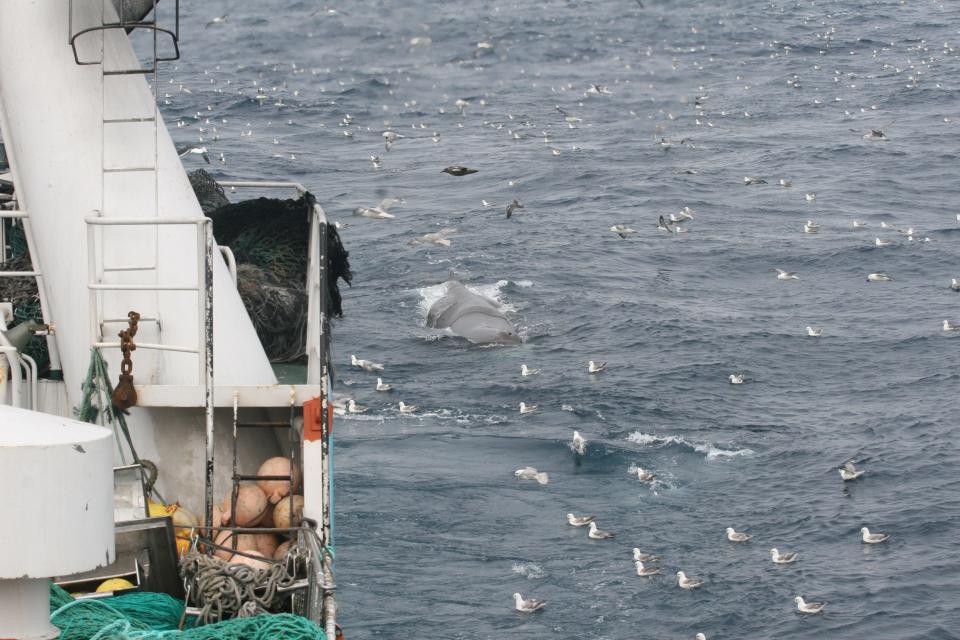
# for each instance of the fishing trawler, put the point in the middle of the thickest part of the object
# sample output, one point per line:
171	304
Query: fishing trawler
118	245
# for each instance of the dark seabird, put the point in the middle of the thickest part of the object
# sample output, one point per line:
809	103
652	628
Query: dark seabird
513	206
457	170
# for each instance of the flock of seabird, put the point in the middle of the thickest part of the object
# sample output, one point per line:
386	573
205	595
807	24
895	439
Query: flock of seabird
645	563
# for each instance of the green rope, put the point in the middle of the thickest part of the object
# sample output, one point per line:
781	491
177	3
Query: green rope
143	615
96	407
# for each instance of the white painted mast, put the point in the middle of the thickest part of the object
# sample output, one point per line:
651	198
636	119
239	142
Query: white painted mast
52	114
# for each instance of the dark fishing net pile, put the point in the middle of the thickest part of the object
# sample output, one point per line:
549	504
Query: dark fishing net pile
22	292
269	238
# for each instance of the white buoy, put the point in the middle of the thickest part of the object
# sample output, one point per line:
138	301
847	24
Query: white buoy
58	475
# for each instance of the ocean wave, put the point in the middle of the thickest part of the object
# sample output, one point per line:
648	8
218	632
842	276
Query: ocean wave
710	450
529	570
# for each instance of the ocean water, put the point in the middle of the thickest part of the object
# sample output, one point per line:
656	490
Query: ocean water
433	532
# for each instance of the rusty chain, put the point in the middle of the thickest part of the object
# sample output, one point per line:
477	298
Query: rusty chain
125	395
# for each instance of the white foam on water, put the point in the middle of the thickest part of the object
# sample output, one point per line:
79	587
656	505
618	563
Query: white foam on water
710	451
528	570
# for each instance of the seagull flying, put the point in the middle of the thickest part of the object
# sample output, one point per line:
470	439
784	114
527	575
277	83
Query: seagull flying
513	206
379	211
786	275
748	180
188	149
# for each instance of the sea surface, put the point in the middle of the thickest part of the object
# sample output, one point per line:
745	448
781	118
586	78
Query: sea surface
433	532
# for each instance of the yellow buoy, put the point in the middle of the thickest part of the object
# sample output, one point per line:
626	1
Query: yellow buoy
115	584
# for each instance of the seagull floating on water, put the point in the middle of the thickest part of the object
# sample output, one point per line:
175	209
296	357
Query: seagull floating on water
881	243
381	386
858	225
597	534
786	275
813	332
688	583
596	367
810	197
955	284
645	571
640	556
785	183
353	407
579	444
748	180
809	607
950	327
811	227
407	408
525	408
527	606
365	364
644	475
622	230
579	521
735	378
735	536
782	558
873	538
878	277
527	371
699	636
529	473
849	471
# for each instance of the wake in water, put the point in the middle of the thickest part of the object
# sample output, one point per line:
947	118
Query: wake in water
710	451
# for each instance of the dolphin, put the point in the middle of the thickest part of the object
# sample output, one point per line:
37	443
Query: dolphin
471	316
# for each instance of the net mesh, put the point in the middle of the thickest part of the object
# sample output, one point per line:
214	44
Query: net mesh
156	616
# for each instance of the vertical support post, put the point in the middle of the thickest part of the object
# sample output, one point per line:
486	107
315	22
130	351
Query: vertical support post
205	230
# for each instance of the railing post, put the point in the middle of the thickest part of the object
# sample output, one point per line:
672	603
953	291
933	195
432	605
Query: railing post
205	228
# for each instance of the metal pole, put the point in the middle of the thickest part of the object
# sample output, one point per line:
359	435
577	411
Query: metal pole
207	229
